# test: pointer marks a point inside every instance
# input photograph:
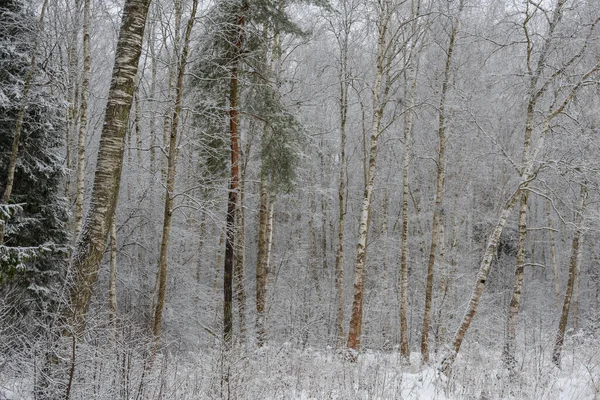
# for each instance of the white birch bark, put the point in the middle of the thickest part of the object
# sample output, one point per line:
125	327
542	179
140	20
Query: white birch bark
92	241
83	112
562	325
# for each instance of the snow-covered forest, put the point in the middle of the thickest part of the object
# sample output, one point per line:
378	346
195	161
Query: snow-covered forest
278	199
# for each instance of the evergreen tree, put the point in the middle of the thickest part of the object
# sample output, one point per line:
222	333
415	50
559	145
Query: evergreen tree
35	232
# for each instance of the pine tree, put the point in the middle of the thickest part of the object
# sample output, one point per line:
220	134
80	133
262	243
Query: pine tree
235	80
35	229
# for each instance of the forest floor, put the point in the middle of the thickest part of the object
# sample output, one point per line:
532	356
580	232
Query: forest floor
284	372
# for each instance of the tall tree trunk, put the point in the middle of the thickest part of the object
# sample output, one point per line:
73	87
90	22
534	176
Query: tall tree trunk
441	176
484	270
442	310
171	171
112	278
515	301
85	82
92	241
233	185
202	235
72	92
261	264
379	103
14	151
408	126
513	311
553	252
575	318
339	258
240	258
562	325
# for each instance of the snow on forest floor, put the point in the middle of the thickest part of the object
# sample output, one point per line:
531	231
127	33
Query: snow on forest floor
284	372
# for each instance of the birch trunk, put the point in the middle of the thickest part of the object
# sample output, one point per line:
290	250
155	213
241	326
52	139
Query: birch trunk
112	278
553	252
562	325
14	151
408	126
261	265
171	171
379	103
441	176
515	302
85	82
92	241
575	319
441	323
513	311
202	235
339	258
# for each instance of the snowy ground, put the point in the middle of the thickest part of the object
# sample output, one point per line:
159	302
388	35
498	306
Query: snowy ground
286	373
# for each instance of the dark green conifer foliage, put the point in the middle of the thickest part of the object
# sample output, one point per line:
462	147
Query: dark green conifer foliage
38	226
259	98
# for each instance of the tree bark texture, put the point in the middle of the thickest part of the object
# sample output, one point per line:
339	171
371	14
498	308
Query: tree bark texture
83	112
112	278
92	241
408	126
379	103
562	325
261	264
441	176
513	310
233	185
553	252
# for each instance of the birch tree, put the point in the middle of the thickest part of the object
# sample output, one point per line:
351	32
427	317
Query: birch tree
381	92
575	254
440	182
171	171
88	253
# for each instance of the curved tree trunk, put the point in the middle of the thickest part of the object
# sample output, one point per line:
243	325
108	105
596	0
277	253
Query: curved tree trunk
562	325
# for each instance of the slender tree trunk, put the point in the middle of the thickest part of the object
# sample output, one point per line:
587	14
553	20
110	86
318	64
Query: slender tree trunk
85	82
202	235
484	270
379	103
14	151
441	317
261	265
408	126
239	267
72	92
515	301
441	176
562	325
575	318
112	278
339	258
92	241
171	171
385	326
553	253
